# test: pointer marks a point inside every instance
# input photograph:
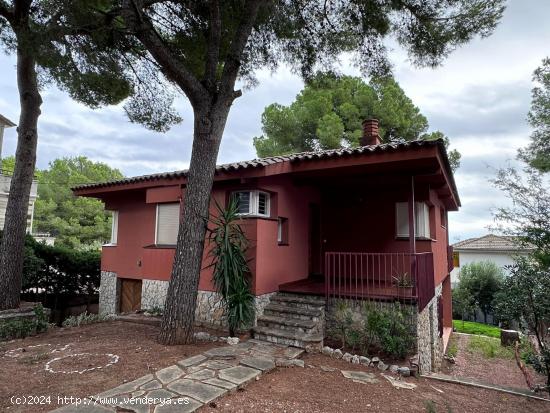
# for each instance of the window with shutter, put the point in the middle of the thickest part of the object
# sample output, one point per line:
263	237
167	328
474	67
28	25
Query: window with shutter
168	218
255	203
402	219
243	201
282	231
422	220
114	228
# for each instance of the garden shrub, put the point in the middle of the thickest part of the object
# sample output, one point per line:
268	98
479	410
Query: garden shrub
86	318
52	272
231	274
387	328
24	327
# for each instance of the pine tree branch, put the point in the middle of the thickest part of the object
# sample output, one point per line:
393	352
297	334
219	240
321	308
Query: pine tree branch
6	12
173	68
213	52
233	58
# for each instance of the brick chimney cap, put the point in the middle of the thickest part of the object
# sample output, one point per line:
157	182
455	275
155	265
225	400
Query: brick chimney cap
370	120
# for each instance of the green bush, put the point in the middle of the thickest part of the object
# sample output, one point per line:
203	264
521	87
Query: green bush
231	275
25	327
388	328
86	318
57	271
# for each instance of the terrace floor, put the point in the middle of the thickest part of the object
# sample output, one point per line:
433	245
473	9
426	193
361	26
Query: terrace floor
355	290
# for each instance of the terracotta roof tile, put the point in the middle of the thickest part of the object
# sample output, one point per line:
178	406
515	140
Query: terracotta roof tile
489	242
293	158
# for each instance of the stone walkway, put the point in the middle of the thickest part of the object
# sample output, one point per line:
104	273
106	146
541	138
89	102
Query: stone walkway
192	382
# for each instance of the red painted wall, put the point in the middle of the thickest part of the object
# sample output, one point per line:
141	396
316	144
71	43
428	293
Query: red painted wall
350	221
278	264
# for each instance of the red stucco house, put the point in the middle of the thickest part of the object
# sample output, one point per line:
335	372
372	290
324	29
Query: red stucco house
353	224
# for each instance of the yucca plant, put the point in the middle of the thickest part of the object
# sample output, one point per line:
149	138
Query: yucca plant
231	275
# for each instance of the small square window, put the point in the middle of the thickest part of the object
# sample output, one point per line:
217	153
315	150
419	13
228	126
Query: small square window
422	219
243	202
282	231
114	228
255	203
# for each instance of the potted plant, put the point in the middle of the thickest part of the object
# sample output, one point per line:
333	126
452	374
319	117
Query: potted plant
404	283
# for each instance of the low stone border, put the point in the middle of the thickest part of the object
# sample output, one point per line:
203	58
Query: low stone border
16	352
473	383
113	360
365	361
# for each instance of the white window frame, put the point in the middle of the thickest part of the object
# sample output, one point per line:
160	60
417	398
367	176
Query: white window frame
422	220
114	228
280	230
254	198
157	223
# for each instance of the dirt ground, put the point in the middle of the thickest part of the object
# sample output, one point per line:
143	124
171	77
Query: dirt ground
310	389
504	372
23	362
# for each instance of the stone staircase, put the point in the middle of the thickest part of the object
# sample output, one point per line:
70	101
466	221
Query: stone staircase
292	319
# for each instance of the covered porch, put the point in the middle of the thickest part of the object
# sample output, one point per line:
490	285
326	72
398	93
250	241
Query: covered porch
403	277
378	231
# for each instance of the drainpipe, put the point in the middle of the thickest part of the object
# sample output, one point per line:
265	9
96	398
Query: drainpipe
1	141
412	232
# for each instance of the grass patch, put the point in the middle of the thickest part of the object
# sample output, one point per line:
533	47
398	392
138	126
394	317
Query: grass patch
471	327
452	346
490	348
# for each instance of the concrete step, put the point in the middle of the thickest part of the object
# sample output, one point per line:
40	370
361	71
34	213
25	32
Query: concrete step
285	323
280	310
308	302
290	338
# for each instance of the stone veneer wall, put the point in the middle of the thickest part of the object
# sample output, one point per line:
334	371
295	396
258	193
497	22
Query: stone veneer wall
209	309
109	293
153	294
356	308
430	345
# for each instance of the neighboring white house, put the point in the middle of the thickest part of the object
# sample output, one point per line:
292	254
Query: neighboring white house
496	248
5	182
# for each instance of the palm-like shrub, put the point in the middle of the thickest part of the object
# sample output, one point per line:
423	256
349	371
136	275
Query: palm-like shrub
231	275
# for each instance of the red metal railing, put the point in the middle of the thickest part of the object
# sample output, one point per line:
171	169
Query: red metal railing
399	276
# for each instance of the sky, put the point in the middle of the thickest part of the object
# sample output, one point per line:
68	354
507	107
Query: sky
479	97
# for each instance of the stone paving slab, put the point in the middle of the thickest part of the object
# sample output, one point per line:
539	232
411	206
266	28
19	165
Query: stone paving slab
239	374
360	376
193	381
221	383
259	363
190	361
169	374
202	375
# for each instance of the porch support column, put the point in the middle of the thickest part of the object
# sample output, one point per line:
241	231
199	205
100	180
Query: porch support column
412	232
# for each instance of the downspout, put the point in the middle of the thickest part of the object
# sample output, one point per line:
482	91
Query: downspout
412	224
1	142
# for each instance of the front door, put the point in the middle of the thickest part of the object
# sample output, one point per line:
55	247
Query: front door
315	246
130	295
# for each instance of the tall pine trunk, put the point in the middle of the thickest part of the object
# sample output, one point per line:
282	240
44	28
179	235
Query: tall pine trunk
13	239
181	299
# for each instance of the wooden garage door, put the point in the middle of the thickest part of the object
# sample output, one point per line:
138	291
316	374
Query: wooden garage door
130	295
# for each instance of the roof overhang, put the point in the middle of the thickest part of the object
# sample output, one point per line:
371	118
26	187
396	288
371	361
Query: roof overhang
385	157
5	122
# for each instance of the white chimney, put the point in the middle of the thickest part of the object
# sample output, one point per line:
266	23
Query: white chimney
4	123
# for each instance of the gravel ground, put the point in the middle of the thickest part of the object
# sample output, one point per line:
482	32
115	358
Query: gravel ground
310	389
503	372
23	371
